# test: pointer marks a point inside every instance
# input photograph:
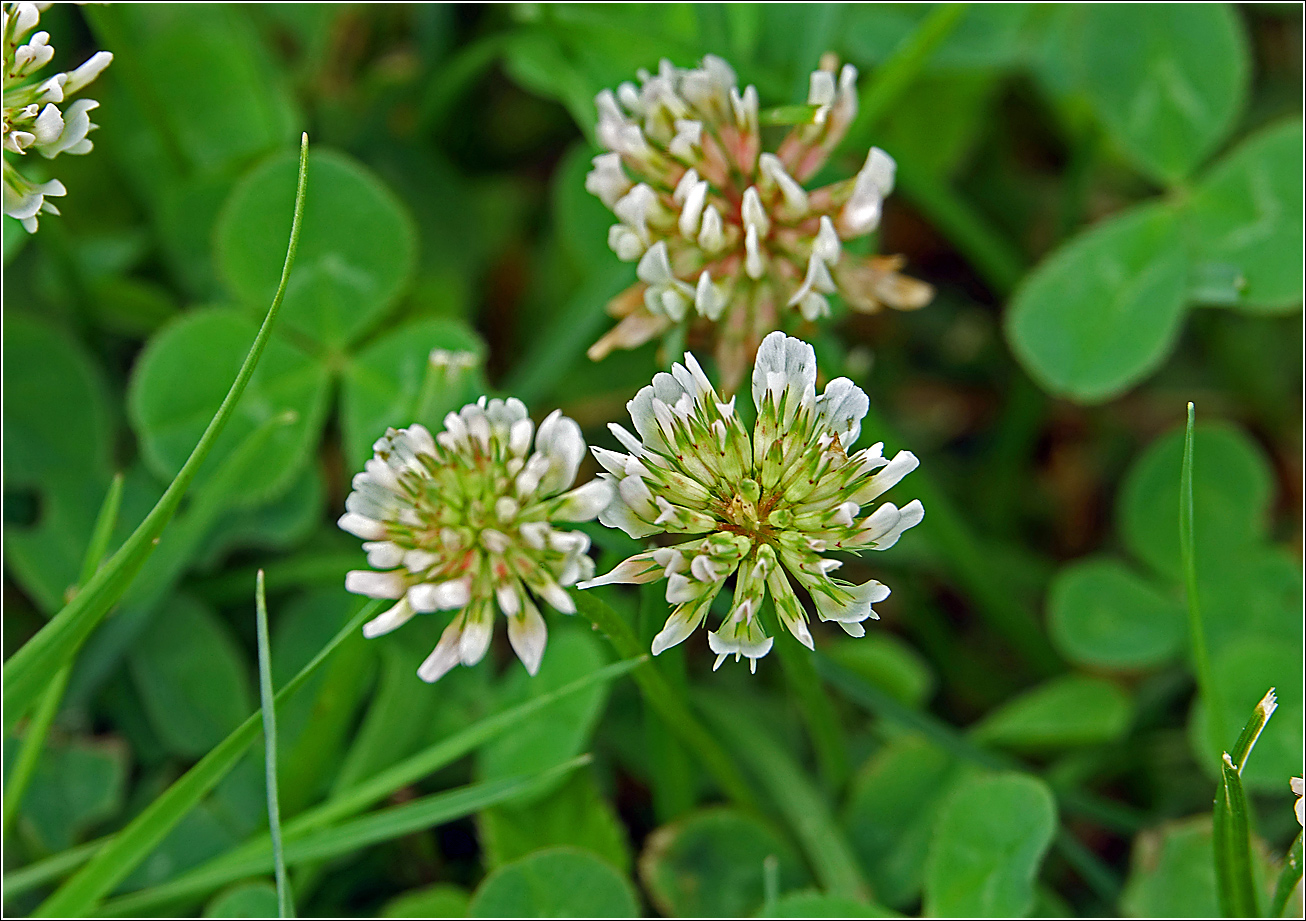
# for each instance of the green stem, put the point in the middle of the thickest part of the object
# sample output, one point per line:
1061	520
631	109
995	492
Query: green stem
668	701
267	701
28	670
817	710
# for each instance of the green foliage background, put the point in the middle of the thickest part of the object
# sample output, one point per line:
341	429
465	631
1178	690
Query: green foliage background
1109	201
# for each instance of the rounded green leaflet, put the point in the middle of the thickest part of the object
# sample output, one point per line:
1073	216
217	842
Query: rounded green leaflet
356	249
1243	671
191	676
555	883
1102	614
443	900
1246	214
212	82
244	900
988	844
815	904
1172	875
57	455
181	378
575	815
1167	80
889	663
1066	711
710	864
1232	489
890	814
78	784
1252	591
1103	312
391	382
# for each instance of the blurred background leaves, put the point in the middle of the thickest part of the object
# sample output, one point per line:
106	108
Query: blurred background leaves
1109	201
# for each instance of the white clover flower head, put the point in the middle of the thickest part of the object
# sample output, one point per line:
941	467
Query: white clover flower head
762	505
464	521
32	118
1299	790
725	234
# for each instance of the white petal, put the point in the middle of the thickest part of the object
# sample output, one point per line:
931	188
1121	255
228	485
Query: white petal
790	362
903	463
375	584
528	635
361	526
392	619
445	654
584	502
440	596
910	515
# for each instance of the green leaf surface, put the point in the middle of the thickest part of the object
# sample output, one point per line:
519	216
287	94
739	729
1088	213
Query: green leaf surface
1172	872
1247	213
246	900
888	663
988	845
210	87
555	883
276	525
133	843
1102	614
1103	311
890	814
192	677
710	864
1242	671
1067	711
356	252
287	395
76	784
814	904
576	815
56	455
392	383
560	731
1232	490
1167	80
443	900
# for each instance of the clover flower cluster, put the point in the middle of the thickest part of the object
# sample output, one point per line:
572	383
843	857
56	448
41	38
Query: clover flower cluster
725	233
764	506
32	118
464	521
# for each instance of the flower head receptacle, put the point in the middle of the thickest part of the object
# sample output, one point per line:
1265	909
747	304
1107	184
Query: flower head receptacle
33	120
464	521
764	505
726	235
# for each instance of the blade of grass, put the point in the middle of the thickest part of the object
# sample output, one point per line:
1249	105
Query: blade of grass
30	669
33	741
154	584
1196	628
1233	847
382	825
48	709
804	808
668	701
56	866
1289	877
126	849
1232	824
199	881
268	706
